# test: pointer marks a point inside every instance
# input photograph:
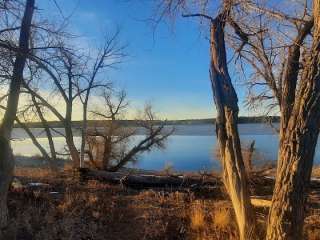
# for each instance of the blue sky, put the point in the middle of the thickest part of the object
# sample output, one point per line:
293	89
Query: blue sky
167	66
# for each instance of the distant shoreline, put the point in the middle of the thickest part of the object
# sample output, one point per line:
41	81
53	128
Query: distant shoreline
134	123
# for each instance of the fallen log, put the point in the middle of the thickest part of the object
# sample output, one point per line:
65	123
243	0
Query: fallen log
262	185
150	180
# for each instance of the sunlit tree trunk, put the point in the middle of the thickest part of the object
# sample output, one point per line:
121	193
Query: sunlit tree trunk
6	156
234	176
298	139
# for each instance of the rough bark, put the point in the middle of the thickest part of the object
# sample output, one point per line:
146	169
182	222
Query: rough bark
234	176
297	147
6	157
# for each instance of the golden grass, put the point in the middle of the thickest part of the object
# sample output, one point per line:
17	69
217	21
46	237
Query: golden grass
197	216
221	218
95	210
35	173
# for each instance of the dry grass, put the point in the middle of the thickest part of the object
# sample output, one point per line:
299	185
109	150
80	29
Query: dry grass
222	218
95	210
33	173
197	216
316	171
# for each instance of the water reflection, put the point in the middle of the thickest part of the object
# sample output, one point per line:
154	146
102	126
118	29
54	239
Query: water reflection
192	148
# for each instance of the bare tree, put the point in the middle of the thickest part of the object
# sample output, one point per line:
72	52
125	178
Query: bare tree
37	113
74	74
286	73
34	140
64	69
52	59
109	55
285	58
6	157
114	138
46	128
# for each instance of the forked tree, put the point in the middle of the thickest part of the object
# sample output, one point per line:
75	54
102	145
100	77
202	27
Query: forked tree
75	75
296	90
109	56
290	67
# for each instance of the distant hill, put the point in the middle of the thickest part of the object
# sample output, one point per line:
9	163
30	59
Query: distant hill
101	123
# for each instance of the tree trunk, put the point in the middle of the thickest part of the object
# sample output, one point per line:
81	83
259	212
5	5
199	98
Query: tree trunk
83	133
107	152
6	172
234	176
6	157
295	158
69	137
47	130
249	156
297	148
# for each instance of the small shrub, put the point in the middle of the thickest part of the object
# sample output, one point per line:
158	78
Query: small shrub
221	218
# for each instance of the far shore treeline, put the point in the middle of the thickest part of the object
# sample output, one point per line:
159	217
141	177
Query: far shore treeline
101	123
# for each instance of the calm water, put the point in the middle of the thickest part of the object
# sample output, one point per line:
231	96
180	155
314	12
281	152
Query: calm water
191	148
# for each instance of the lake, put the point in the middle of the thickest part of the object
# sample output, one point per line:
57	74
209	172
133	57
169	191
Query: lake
191	148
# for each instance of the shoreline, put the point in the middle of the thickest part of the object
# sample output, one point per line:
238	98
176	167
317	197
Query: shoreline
267	170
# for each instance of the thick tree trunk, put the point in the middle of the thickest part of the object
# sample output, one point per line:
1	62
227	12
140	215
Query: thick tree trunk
6	172
296	152
234	176
6	157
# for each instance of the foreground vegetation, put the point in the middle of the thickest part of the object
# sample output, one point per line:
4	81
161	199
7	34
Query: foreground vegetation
69	209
